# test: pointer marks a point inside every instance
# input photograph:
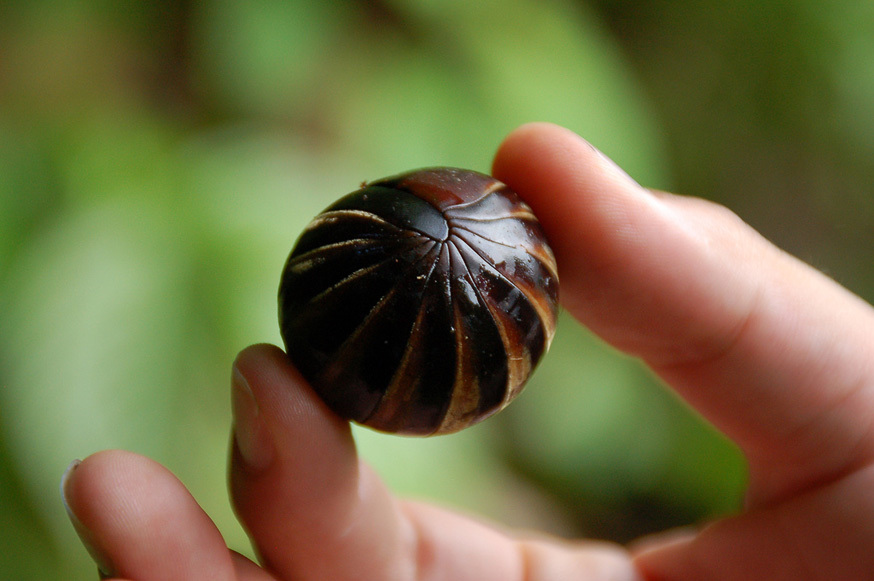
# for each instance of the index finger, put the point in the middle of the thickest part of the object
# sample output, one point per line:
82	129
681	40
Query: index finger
773	353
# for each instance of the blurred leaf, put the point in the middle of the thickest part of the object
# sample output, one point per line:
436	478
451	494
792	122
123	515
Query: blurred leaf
27	535
587	420
28	189
259	56
64	59
595	428
509	63
118	152
82	301
851	34
250	191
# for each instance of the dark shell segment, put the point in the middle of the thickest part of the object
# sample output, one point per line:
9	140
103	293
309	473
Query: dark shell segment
421	303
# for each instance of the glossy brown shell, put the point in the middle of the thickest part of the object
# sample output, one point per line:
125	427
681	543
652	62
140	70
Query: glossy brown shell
421	303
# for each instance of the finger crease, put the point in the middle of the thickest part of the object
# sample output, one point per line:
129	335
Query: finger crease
422	552
526	561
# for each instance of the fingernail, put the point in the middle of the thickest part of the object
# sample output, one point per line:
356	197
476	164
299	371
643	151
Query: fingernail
104	566
250	433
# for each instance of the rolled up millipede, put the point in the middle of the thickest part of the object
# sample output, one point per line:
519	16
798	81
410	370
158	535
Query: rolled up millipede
420	303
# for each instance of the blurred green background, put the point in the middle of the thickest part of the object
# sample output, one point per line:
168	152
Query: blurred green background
158	159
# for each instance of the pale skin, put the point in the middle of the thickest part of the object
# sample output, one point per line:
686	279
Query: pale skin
774	354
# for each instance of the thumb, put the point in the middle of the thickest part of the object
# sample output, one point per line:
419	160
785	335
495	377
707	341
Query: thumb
311	509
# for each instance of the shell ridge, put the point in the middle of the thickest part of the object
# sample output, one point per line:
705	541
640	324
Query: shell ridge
353	243
499	201
488	262
518	214
492	189
328	216
546	316
425	235
546	259
478	235
395	384
463	263
459	411
356	274
362	327
395	205
515	376
480	297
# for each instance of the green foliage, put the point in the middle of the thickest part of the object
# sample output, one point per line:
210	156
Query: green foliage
157	161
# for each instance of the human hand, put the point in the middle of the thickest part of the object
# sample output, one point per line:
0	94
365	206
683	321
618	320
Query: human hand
774	354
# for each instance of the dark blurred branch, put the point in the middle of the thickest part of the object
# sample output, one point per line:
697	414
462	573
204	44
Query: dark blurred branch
173	84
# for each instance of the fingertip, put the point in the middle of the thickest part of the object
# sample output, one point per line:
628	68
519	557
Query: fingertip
265	363
80	484
89	486
304	435
542	153
292	413
137	520
594	215
520	158
257	353
534	135
315	499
